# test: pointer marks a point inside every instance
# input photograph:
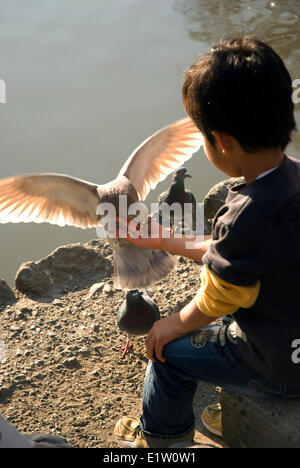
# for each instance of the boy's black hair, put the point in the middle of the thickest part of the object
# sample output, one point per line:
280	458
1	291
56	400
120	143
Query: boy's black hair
243	88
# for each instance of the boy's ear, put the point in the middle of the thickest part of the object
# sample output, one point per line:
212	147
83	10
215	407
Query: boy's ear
224	141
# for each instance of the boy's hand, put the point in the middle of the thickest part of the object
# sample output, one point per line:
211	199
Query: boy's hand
151	235
175	326
162	332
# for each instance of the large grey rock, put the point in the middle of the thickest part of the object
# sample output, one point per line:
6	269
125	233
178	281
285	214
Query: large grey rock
216	197
10	437
67	268
6	294
250	422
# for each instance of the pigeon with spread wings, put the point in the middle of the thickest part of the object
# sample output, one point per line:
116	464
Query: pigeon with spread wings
64	200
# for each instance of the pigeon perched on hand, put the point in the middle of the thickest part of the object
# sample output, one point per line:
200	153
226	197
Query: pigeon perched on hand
136	315
64	200
177	194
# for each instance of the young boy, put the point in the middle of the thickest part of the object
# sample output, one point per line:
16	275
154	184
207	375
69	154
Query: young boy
240	96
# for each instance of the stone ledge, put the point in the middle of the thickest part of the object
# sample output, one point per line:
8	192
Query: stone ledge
250	422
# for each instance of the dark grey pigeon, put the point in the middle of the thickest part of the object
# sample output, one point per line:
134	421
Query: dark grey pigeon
137	315
177	193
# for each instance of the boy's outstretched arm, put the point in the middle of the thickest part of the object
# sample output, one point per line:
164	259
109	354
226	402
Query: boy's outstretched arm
186	246
175	326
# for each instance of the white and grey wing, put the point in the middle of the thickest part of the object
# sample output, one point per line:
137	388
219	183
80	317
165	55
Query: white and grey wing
161	154
54	198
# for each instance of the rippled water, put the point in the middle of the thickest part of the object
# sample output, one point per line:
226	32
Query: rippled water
88	81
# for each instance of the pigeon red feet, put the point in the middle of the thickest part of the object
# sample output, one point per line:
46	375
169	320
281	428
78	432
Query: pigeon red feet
126	348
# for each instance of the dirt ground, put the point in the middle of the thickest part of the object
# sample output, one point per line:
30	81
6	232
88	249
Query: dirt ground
64	373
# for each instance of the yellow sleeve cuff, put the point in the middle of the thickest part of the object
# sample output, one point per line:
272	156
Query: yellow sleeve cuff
216	297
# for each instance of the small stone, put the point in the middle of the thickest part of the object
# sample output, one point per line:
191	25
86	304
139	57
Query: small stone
95	289
52	335
97	350
84	352
39	376
57	302
95	327
20	377
23	313
71	363
4	394
108	289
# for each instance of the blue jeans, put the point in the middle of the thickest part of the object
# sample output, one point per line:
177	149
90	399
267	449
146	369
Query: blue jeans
210	354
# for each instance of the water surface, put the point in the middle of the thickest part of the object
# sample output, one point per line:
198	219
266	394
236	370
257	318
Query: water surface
88	81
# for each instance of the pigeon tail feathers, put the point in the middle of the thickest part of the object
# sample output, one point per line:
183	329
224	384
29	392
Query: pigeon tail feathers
136	268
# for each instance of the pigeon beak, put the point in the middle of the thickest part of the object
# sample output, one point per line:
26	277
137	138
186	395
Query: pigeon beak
187	175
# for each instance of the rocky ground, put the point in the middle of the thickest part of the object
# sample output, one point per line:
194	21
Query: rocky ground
64	373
